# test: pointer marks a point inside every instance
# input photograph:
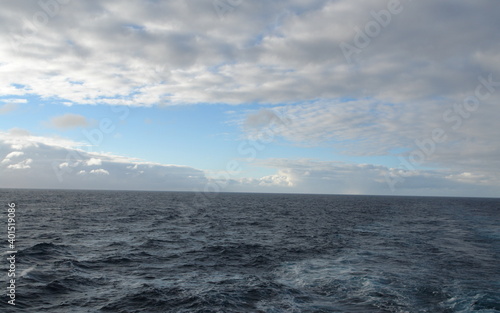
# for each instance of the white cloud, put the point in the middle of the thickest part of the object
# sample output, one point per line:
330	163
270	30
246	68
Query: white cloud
94	161
60	164
281	51
406	130
20	139
21	165
15	100
68	121
14	154
51	166
312	176
283	178
99	171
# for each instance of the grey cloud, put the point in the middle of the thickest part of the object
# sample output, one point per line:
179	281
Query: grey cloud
270	52
53	166
312	176
264	118
7	108
68	121
404	130
287	53
56	165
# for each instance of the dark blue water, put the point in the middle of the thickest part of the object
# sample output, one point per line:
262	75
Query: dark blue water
81	251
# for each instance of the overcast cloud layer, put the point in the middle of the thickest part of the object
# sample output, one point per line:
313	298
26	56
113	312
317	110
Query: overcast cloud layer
170	52
416	80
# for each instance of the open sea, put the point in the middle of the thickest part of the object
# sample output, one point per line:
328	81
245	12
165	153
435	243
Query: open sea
115	251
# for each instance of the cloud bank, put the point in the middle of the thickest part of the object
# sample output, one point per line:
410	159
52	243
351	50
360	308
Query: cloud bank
176	52
28	161
31	162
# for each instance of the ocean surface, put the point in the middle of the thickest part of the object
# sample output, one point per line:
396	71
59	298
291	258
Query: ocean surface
105	251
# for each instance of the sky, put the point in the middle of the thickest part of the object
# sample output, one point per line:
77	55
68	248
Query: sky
394	97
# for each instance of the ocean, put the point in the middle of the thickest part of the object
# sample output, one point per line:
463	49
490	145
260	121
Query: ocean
121	251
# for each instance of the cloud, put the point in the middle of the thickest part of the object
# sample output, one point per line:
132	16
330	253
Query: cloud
406	131
19	139
60	163
94	161
99	171
282	178
18	132
21	165
415	75
15	100
53	166
68	121
262	118
279	52
7	108
12	155
329	177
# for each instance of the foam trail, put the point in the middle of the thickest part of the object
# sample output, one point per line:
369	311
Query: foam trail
26	271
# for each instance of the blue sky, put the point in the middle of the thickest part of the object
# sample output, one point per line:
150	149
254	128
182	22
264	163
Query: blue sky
171	135
313	96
